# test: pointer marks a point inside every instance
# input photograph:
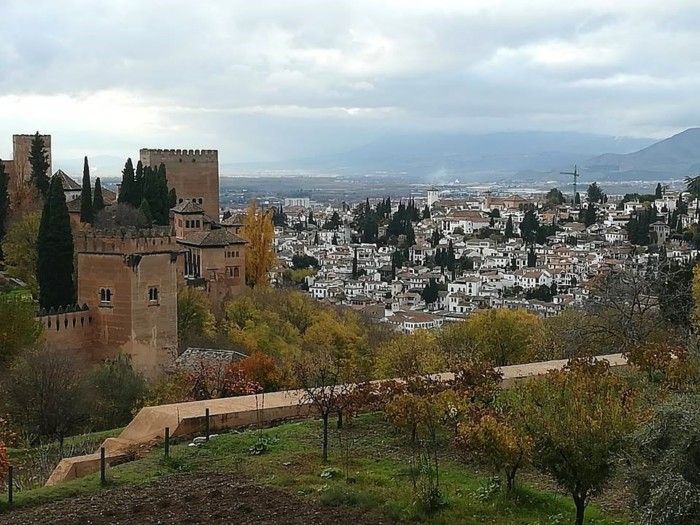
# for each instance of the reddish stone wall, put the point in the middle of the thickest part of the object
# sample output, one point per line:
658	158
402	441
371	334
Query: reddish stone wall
193	173
71	330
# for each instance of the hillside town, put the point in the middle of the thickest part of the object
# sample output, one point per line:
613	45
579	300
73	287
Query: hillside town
538	253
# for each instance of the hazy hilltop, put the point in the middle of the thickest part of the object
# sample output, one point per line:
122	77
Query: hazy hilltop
442	157
433	156
674	157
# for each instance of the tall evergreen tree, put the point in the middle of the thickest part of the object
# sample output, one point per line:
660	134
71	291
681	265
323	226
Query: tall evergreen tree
426	212
138	183
509	228
98	202
145	208
126	190
590	215
87	214
39	162
55	250
531	258
4	203
529	226
659	193
431	292
172	198
354	265
155	191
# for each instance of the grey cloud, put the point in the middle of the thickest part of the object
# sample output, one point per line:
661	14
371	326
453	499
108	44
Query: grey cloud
270	79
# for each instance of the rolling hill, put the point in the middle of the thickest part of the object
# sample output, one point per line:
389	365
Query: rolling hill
674	157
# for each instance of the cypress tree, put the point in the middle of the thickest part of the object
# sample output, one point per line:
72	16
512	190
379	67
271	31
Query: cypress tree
98	202
163	214
172	198
126	190
55	250
509	228
87	213
4	203
354	265
138	183
145	208
39	161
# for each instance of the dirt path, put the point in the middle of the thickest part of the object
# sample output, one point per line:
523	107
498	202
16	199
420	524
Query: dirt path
189	499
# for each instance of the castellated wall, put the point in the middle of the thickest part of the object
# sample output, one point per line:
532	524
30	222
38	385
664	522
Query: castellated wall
131	319
193	173
72	328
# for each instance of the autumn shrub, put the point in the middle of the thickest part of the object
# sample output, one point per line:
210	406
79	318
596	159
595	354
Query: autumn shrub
493	439
578	419
4	461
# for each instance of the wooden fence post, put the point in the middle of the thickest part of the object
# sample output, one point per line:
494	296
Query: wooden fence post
167	442
103	467
10	484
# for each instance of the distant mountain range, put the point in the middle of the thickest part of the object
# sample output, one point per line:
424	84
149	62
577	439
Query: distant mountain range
493	157
672	158
447	156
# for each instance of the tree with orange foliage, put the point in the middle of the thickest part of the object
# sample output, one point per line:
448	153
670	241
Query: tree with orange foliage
260	368
259	231
496	440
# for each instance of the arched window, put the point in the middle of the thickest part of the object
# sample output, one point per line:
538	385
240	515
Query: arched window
105	296
153	294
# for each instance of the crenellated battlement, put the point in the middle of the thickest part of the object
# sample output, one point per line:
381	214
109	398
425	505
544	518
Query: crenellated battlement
126	241
169	154
68	318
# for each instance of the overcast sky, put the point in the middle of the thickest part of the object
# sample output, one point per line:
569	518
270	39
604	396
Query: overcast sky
266	80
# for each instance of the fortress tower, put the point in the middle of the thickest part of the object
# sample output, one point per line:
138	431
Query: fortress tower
193	173
18	168
129	283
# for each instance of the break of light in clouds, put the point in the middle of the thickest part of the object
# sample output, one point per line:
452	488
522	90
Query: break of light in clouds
279	79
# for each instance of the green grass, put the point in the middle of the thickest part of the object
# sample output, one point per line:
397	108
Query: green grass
33	465
378	477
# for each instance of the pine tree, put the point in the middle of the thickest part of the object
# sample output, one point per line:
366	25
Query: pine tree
39	161
4	203
87	214
126	190
98	202
55	250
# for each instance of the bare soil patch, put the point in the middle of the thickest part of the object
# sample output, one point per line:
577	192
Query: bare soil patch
190	499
